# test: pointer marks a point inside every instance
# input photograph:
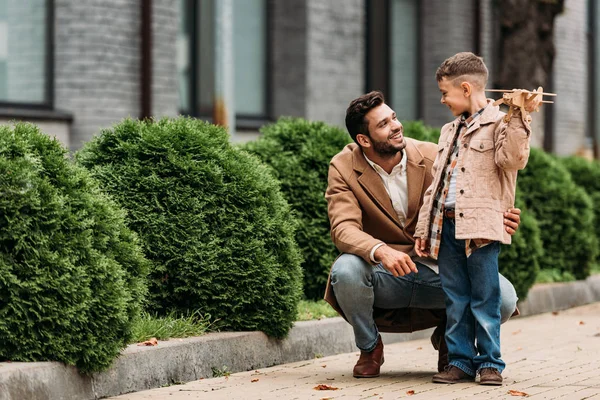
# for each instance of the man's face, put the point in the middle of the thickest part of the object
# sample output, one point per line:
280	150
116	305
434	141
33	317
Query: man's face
385	131
453	96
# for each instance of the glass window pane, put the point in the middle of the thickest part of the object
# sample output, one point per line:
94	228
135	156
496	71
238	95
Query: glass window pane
23	51
404	58
250	56
183	58
206	57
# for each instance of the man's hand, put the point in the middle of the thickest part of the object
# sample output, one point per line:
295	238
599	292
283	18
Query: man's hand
512	219
396	262
421	247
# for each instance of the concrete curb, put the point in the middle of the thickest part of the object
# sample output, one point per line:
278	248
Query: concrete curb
184	360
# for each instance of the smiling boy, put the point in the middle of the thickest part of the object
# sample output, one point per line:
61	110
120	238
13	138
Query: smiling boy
461	220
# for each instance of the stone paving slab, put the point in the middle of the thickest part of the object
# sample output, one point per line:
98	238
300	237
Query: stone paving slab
549	356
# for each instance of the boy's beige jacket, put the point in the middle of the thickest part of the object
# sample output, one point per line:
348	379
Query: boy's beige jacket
493	151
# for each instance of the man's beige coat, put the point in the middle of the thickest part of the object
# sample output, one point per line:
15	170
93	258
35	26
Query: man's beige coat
361	216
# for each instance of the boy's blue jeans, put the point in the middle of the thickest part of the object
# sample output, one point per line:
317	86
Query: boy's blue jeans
472	292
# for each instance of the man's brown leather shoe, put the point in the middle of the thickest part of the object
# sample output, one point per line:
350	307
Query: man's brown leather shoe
452	374
369	363
439	343
490	376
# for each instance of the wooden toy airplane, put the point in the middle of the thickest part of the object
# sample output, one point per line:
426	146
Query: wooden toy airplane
517	97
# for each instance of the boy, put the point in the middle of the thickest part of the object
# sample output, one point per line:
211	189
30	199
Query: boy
461	220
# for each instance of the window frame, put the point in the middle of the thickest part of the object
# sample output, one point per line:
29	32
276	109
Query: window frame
48	102
243	121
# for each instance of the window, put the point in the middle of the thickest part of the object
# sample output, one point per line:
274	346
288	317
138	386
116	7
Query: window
25	68
392	63
196	66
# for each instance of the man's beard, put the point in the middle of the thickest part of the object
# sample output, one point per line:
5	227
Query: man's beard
386	149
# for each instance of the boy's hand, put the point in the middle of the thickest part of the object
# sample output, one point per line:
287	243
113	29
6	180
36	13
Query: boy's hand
512	219
396	262
421	247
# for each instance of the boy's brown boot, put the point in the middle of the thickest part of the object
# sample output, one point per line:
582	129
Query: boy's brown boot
369	363
490	376
452	374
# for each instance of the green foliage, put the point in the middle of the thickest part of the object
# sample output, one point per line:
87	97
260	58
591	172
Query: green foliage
72	276
564	213
586	174
298	153
417	130
520	261
310	309
211	218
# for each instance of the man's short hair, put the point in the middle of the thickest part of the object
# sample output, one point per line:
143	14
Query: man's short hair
356	111
465	64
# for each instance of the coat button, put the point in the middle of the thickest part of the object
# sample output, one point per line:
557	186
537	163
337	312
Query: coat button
466	145
481	146
460	215
462	169
462	191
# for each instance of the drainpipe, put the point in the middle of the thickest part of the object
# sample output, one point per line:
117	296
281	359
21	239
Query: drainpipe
224	102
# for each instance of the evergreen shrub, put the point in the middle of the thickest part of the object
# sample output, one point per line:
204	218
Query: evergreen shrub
212	220
586	174
72	275
564	213
298	153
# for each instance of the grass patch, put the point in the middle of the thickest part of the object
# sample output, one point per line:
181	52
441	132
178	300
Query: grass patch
309	310
170	326
553	275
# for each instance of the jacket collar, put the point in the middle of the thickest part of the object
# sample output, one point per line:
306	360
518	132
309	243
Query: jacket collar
488	116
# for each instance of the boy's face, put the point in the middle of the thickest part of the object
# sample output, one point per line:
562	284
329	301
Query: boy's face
454	96
385	131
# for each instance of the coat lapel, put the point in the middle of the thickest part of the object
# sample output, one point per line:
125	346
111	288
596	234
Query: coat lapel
370	180
415	173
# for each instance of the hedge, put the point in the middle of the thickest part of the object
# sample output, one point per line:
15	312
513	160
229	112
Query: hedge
211	218
586	174
298	153
72	275
564	213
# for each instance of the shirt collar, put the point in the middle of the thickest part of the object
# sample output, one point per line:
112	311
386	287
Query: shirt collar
401	166
469	121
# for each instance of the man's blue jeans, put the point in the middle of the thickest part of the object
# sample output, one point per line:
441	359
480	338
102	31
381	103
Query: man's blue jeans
359	286
472	291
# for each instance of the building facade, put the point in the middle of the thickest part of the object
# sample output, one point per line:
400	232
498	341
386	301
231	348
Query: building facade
76	67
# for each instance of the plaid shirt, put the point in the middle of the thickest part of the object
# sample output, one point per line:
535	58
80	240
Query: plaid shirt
439	199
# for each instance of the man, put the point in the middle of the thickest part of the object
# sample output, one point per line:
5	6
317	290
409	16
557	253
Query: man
375	190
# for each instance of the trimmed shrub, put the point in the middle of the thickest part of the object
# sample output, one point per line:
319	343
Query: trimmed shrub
298	153
564	213
418	130
72	276
586	174
520	261
212	221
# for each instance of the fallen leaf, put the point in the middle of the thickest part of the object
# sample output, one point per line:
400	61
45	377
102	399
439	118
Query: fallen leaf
254	380
581	323
554	312
419	348
149	342
516	332
326	398
331	379
519	348
324	387
410	392
323	366
517	393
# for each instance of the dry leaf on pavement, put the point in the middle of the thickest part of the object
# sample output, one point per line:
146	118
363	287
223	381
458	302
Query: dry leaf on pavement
554	312
581	323
149	342
254	380
410	392
517	393
325	387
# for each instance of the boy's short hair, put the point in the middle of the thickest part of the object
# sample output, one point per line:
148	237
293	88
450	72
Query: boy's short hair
464	64
356	111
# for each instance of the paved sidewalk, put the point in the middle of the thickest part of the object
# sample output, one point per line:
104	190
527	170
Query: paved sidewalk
553	355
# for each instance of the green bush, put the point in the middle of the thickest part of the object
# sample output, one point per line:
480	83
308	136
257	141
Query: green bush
299	152
520	261
586	174
72	276
211	218
564	213
418	130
